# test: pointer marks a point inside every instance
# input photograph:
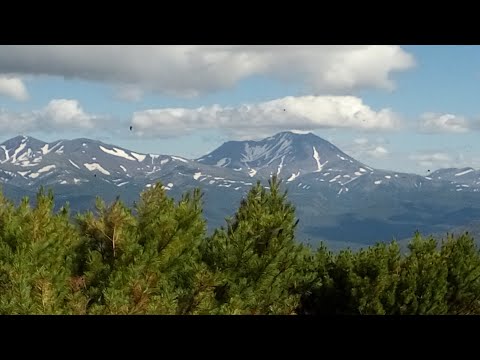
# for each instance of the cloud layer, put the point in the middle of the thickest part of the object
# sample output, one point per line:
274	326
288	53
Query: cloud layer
443	123
299	113
194	69
13	87
378	152
59	115
363	148
433	160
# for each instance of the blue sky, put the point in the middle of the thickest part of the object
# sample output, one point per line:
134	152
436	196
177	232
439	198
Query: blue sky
408	108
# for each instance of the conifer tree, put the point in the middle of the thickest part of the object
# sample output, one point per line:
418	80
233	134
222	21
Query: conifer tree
256	255
149	263
463	265
423	286
36	255
355	283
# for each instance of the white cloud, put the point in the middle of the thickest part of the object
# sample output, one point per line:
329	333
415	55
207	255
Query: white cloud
378	152
437	159
66	113
433	159
443	123
188	70
256	120
360	141
13	87
58	115
363	148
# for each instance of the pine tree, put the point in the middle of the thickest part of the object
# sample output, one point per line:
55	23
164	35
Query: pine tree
36	257
423	286
463	265
107	241
256	255
149	263
355	283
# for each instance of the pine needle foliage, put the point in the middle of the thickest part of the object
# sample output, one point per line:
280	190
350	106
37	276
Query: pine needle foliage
156	258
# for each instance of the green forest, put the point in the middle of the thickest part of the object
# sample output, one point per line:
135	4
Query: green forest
157	258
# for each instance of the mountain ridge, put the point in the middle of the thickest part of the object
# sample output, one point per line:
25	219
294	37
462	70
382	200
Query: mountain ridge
331	190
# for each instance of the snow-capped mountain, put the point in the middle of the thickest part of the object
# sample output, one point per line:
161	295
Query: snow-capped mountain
462	178
28	162
286	154
328	187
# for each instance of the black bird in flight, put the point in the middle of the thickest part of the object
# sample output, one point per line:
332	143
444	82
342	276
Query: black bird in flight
131	127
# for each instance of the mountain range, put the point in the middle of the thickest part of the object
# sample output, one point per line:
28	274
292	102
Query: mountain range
338	199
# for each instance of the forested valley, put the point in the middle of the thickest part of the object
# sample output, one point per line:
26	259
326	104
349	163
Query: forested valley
157	258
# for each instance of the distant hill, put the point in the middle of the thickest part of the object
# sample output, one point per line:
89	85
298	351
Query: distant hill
338	199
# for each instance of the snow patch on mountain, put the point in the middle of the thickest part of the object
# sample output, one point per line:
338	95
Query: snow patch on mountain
24	156
252	172
153	157
291	178
266	151
117	152
179	159
46	168
7	157
335	178
252	153
223	162
123	168
197	175
96	166
464	172
280	165
317	159
140	157
349	181
71	162
20	148
44	149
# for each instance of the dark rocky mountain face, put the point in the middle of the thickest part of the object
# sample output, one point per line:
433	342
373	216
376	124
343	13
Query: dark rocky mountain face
286	154
338	199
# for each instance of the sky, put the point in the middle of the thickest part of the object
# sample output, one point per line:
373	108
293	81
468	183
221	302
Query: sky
402	108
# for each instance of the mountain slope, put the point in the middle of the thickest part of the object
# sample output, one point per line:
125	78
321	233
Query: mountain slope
338	198
286	154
